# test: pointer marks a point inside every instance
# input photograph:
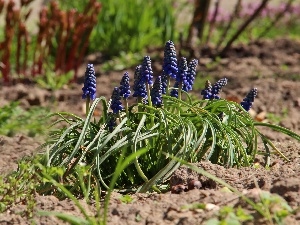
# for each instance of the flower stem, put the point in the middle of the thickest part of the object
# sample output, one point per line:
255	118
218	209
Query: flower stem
179	90
87	105
126	111
179	96
150	103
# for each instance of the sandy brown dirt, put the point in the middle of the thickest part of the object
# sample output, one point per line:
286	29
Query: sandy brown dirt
271	66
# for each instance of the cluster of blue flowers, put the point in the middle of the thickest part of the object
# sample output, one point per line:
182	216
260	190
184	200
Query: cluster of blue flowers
89	87
212	92
156	92
184	76
249	99
124	86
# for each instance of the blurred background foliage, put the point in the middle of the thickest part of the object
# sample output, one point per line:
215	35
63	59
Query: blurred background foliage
123	31
131	25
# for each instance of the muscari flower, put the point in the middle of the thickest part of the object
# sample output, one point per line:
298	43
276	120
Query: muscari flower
190	77
139	87
174	92
164	82
216	88
89	87
182	71
249	99
207	91
124	86
116	104
156	92
170	61
146	71
111	124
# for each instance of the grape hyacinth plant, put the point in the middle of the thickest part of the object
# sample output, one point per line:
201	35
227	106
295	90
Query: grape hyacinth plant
169	68
124	86
156	93
125	89
89	86
212	92
139	87
116	104
216	88
139	147
190	76
170	60
249	99
206	92
181	78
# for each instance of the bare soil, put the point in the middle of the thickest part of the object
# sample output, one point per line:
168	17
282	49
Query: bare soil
271	66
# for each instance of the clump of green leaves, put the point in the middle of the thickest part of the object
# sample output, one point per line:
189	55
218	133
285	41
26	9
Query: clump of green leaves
20	187
276	208
126	199
52	81
14	119
130	25
228	215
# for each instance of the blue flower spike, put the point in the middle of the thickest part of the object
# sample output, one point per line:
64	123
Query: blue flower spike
116	104
89	87
146	71
206	93
156	92
112	123
170	61
181	77
217	88
249	99
174	92
139	87
182	71
191	74
164	82
124	86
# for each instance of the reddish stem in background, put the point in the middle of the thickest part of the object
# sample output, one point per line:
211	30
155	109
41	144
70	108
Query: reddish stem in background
26	50
243	27
213	21
276	19
230	22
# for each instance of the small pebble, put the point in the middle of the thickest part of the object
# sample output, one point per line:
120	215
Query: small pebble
194	184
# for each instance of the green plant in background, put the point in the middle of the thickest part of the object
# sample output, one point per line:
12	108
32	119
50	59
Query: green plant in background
13	119
228	215
52	81
163	123
20	186
126	199
121	62
276	207
130	26
276	119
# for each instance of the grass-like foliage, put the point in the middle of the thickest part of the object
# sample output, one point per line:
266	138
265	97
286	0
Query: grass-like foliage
20	187
129	26
14	119
144	138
